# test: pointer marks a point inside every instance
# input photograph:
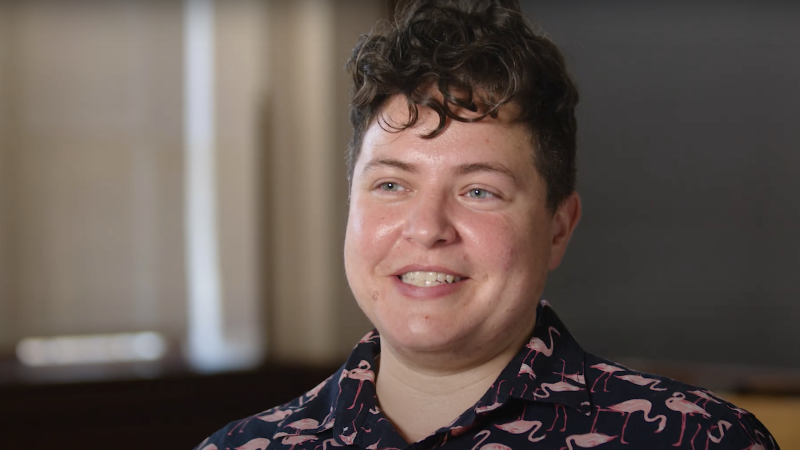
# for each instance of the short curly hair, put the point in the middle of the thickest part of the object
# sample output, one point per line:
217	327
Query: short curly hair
479	55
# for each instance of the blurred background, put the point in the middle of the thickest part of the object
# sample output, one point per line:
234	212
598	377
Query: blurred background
173	204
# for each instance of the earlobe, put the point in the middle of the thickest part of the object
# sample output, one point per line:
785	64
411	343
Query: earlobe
565	220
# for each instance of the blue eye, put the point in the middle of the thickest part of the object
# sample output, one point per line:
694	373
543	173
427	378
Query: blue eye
389	186
479	193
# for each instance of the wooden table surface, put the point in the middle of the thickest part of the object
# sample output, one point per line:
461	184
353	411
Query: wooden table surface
781	416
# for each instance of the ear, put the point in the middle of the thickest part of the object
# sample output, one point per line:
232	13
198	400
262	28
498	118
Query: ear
564	221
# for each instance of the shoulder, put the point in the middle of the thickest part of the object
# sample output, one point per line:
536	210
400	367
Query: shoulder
258	431
691	414
254	432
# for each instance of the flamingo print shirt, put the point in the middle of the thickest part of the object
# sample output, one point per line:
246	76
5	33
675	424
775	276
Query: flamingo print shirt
551	396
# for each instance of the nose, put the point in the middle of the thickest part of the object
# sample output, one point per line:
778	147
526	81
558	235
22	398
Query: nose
429	221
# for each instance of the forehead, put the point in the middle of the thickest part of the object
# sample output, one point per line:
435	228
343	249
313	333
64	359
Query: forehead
489	138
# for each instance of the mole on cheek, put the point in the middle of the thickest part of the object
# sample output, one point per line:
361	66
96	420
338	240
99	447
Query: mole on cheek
375	295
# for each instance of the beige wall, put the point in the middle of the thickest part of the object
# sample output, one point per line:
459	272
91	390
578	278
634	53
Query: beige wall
94	167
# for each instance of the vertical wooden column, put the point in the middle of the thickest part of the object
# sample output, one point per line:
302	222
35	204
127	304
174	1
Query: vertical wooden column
5	312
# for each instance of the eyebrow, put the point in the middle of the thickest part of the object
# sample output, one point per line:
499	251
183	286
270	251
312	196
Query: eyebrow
376	163
466	169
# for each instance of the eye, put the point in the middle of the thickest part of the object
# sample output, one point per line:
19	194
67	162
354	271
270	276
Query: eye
479	193
390	186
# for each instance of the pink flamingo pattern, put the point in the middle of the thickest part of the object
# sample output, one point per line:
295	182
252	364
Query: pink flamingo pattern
607	370
704	397
255	444
586	401
493	446
496	404
525	369
521	426
588	440
629	407
332	442
303	424
723	426
362	374
642	381
555	419
561	386
276	416
576	377
296	439
679	403
757	439
537	345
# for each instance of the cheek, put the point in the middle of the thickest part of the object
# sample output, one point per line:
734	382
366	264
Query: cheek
508	244
497	241
371	232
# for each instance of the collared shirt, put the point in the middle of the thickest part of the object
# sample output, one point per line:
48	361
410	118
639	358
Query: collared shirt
552	395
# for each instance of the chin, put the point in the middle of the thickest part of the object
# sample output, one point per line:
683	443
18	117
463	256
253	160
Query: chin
421	334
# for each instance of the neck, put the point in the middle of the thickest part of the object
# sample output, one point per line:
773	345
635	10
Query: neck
420	399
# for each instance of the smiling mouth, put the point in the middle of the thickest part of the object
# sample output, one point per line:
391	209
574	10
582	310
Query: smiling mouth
428	279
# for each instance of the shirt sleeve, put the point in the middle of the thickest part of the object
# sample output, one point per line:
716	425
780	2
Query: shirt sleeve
232	436
750	432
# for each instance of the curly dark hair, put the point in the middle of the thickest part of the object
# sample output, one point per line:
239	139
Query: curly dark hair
479	55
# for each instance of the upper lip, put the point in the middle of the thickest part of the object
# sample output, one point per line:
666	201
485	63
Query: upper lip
421	268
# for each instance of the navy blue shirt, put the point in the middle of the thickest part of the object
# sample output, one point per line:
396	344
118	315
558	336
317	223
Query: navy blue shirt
552	395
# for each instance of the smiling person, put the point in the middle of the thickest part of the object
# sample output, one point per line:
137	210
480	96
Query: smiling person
462	200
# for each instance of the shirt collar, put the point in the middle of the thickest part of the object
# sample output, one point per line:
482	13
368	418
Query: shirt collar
357	398
551	366
329	404
548	369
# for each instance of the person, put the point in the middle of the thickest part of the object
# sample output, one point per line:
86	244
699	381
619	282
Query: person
462	200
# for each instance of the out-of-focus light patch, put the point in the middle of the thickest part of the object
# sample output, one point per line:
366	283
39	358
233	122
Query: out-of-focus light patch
91	349
208	350
206	343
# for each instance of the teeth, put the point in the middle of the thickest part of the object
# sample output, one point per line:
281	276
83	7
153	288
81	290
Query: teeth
427	279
